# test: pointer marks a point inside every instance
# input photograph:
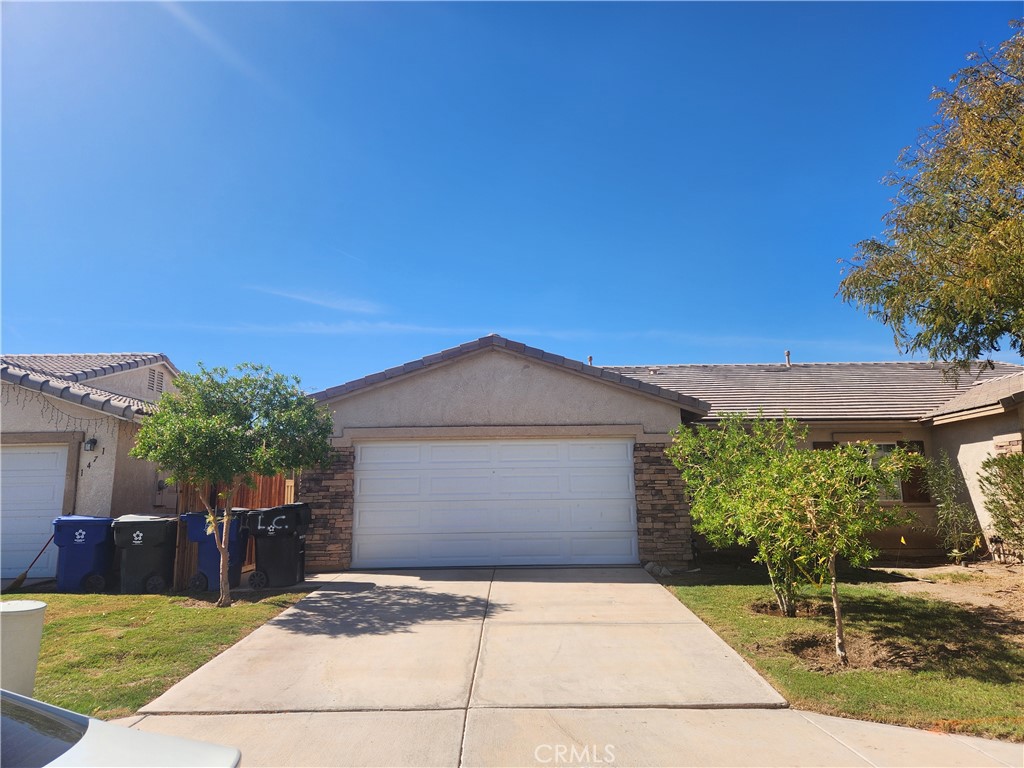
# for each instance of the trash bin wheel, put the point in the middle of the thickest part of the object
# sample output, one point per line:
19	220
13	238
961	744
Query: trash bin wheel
198	583
94	582
155	584
257	579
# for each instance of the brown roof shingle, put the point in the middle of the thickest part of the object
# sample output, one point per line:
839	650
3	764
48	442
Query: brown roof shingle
84	366
984	393
80	394
815	391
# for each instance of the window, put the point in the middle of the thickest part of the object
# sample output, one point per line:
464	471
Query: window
912	490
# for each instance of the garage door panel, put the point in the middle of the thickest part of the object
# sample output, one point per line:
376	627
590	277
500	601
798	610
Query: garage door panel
33	494
602	515
534	483
378	517
384	455
496	502
531	453
461	485
35	461
463	454
594	482
614	454
603	546
389	485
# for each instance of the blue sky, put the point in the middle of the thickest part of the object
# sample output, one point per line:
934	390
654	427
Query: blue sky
336	188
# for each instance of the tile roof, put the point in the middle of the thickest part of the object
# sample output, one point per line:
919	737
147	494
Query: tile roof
84	366
815	391
682	399
61	376
1008	388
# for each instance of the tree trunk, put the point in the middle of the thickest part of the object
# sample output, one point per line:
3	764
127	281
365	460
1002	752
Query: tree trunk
224	601
837	609
782	586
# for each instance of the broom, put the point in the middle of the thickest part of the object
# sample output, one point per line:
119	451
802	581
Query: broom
20	578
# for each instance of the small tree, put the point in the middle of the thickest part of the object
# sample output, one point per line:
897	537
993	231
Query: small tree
1002	483
223	430
956	522
947	274
750	483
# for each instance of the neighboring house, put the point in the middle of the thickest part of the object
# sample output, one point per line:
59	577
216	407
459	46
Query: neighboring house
496	453
67	424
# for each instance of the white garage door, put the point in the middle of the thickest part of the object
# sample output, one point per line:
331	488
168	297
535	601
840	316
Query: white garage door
494	502
31	495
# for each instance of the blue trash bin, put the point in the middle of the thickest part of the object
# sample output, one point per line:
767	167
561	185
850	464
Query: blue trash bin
208	575
85	560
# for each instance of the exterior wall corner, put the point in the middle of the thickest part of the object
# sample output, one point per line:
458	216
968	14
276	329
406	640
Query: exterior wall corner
329	491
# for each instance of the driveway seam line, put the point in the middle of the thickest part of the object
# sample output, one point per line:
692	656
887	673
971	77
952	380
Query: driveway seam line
838	740
476	666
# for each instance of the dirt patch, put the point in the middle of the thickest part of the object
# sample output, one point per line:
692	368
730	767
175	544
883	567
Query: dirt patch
987	585
818	652
803	608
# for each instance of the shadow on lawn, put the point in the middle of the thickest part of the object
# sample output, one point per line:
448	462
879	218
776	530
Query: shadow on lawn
942	637
356	608
738	571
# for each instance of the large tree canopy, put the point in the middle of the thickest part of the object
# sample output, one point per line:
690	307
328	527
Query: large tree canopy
947	274
222	430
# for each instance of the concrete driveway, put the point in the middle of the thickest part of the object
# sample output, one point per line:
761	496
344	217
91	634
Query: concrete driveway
513	667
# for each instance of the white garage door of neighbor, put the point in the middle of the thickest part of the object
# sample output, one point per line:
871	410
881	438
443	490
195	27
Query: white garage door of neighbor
494	502
31	495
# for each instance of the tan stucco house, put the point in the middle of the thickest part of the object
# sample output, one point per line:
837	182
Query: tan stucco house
496	453
66	425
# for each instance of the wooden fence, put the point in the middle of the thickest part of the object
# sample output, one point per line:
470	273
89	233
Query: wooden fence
267	492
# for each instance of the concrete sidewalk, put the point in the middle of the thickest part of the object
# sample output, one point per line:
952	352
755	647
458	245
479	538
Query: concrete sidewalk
514	667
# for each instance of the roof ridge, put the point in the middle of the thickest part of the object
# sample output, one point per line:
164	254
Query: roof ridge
495	341
802	364
33	362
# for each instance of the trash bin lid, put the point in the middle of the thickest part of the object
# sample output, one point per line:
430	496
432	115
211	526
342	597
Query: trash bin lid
84	519
142	518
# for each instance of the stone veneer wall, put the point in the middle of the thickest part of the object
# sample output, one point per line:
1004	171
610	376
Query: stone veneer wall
662	512
663	518
329	492
1009	445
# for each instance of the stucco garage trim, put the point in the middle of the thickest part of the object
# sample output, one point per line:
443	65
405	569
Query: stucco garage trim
689	405
364	434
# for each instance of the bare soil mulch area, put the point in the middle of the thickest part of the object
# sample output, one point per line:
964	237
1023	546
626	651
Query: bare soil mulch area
986	584
992	592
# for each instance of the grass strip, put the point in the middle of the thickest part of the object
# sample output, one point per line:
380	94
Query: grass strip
108	655
914	661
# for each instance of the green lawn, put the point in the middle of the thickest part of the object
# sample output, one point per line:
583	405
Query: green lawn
108	655
917	662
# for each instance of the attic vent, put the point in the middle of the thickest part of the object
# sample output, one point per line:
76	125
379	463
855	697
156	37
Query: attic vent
156	380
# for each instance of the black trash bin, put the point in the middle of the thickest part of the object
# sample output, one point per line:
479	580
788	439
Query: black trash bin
280	534
208	559
85	562
147	545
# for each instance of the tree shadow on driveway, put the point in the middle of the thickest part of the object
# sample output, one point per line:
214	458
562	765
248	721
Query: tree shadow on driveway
353	609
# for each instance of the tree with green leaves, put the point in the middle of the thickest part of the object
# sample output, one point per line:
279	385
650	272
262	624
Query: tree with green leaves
223	430
750	482
955	519
947	274
1002	484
